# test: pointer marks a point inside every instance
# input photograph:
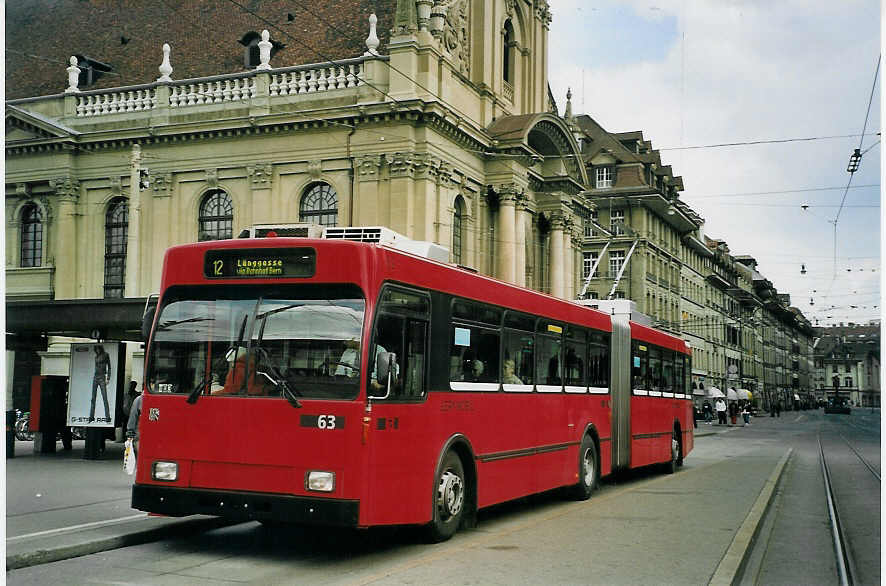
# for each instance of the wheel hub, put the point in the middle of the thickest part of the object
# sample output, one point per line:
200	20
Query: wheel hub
588	467
450	495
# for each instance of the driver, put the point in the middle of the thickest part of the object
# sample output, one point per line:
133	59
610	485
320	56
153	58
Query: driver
236	374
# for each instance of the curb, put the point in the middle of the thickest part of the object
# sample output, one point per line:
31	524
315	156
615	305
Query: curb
184	527
737	555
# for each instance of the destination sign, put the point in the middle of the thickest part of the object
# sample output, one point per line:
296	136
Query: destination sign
265	263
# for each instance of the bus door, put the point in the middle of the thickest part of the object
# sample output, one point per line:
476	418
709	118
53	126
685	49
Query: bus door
401	465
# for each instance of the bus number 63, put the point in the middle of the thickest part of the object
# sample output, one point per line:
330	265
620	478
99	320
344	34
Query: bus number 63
323	421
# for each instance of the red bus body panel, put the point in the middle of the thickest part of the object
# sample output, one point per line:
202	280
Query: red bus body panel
521	443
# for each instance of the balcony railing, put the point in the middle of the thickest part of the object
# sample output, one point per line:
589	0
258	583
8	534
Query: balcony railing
224	89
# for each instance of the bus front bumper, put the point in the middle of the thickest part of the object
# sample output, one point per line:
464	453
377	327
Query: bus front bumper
248	506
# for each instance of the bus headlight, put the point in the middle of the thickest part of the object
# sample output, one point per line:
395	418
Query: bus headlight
164	471
319	481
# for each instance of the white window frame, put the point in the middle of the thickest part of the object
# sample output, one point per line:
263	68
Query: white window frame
588	260
616	260
603	176
616	226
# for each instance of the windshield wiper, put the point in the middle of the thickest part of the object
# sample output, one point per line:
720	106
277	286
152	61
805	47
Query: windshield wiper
169	324
195	394
278	380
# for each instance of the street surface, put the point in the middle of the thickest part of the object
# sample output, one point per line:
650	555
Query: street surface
643	528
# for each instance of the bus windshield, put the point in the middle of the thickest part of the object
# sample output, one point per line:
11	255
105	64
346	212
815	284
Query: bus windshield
292	341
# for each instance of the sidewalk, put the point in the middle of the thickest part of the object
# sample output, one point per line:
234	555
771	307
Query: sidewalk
60	506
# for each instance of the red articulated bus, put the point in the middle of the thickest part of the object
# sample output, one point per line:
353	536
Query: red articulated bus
322	381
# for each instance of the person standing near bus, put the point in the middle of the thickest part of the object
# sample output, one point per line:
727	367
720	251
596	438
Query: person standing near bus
135	412
100	380
708	412
733	412
721	412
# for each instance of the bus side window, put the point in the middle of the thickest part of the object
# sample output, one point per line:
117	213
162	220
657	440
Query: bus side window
667	370
639	366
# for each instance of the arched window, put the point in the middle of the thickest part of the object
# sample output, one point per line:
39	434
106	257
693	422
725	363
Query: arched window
319	205
216	216
32	236
116	233
457	230
507	66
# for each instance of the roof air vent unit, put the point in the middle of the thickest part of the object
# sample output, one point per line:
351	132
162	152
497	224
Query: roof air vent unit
387	237
286	230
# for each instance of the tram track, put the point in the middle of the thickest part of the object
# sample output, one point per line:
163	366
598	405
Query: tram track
848	568
844	561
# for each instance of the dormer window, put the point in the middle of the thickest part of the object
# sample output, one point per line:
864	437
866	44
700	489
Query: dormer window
90	70
604	176
251	56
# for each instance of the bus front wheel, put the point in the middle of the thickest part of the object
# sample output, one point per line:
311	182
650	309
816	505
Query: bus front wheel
449	499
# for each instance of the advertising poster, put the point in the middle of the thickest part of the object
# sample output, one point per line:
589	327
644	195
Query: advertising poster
93	384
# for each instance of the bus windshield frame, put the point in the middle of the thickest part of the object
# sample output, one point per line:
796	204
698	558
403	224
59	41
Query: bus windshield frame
299	340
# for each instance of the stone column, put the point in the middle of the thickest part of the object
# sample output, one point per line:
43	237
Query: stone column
426	197
160	223
261	180
64	248
366	200
402	173
445	187
522	211
557	271
505	233
133	232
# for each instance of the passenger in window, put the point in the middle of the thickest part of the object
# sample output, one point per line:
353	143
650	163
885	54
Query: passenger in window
509	377
476	370
554	371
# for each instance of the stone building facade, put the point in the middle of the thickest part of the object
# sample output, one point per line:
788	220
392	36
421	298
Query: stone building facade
440	127
847	362
644	243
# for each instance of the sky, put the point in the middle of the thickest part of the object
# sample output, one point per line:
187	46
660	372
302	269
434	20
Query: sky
697	73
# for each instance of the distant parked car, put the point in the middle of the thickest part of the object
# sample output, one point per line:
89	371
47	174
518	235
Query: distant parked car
838	405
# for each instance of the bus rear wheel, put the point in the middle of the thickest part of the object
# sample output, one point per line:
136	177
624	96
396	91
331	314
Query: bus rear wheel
587	470
676	454
449	499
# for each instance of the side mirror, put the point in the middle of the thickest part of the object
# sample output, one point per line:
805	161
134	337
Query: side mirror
147	322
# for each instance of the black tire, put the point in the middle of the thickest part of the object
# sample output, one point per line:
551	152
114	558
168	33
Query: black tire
449	499
676	454
588	470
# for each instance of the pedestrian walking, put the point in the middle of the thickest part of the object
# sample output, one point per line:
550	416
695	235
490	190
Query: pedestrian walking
746	414
708	412
733	412
778	408
132	425
721	412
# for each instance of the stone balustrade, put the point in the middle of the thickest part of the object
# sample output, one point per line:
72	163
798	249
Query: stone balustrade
264	82
116	101
313	78
211	91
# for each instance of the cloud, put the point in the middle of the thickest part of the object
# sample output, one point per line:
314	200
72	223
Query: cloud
744	72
